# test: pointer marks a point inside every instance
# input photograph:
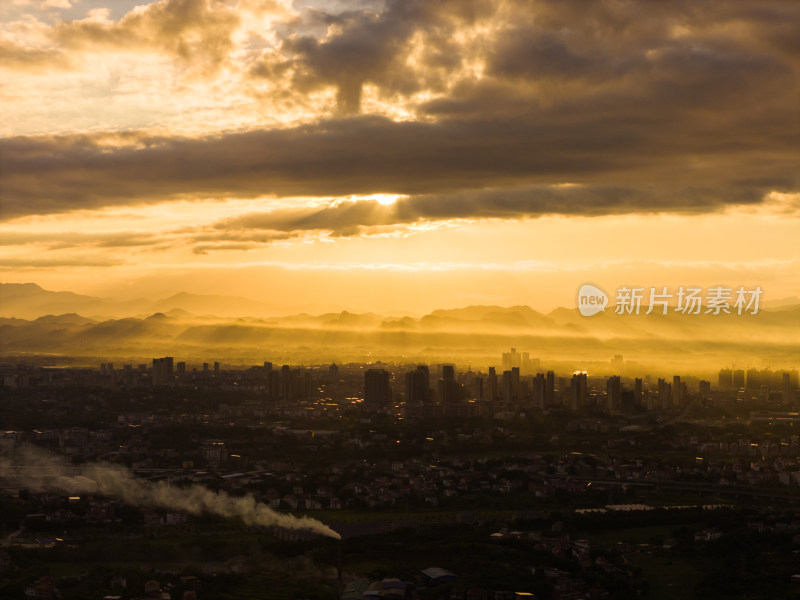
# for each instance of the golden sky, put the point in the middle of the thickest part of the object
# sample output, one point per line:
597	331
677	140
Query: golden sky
399	156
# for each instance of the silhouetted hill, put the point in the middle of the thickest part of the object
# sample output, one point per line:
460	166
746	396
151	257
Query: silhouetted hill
28	300
65	320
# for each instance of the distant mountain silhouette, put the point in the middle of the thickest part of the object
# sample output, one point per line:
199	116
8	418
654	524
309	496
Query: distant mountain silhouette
29	301
470	332
221	306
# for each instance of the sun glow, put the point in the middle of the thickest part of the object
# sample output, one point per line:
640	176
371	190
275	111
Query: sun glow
385	199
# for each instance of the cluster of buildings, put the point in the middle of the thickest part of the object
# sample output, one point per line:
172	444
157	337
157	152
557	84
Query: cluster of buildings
437	469
430	390
761	381
478	394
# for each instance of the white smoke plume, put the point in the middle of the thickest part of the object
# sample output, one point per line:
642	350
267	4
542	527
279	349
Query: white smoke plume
34	468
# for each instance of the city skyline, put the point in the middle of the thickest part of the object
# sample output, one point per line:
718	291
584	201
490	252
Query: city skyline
397	156
428	299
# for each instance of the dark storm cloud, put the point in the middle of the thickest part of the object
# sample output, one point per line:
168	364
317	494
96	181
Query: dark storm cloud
348	218
679	106
372	47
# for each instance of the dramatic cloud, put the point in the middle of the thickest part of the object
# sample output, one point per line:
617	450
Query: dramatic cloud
684	106
347	218
375	47
274	128
195	31
695	171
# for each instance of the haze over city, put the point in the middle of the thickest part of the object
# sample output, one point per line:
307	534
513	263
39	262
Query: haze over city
412	299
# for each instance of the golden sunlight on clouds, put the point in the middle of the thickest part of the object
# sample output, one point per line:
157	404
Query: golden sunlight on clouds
406	153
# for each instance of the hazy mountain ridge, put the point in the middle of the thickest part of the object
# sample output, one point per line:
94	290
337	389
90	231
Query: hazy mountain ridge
29	301
468	331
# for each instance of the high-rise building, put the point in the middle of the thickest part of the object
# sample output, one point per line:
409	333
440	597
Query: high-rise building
704	388
550	389
725	379
510	359
516	388
181	369
579	391
677	391
426	377
666	397
753	379
448	387
507	389
416	387
613	393
664	393
377	389
787	390
491	385
637	391
539	391
528	365
512	388
650	401
448	372
162	371
738	379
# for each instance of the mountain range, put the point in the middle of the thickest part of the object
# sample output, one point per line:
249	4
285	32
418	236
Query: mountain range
38	321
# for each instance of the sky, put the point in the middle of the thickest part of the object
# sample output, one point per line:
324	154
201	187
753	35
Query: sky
399	156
